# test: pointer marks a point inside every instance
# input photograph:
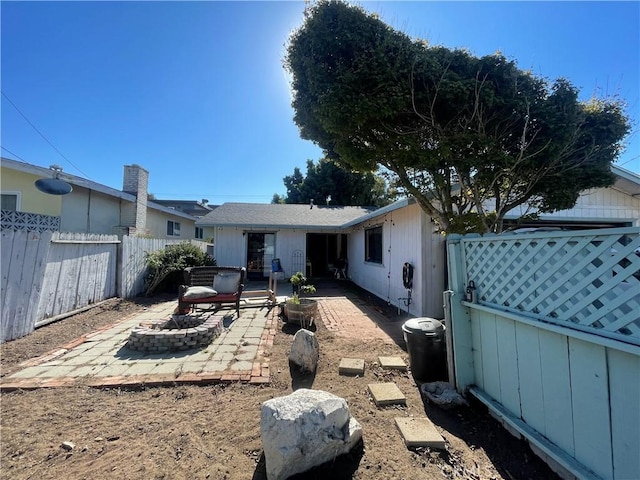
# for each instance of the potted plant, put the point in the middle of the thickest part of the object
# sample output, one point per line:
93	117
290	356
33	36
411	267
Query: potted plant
297	308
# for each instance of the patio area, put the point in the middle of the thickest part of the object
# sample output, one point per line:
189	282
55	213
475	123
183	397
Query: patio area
239	353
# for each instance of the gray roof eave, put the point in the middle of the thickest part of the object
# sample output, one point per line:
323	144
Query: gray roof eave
247	226
626	180
168	210
381	211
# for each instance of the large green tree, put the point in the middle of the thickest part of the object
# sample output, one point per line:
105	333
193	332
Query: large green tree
328	179
471	138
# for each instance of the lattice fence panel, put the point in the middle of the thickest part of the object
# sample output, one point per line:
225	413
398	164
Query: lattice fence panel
588	279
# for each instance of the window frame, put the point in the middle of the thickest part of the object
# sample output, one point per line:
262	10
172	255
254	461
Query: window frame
18	195
369	234
173	228
199	233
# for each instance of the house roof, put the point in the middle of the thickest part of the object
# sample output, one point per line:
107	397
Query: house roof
191	207
381	211
89	184
626	180
271	215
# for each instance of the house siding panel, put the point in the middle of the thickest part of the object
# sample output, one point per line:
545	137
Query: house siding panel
407	237
599	204
287	242
157	226
88	211
230	248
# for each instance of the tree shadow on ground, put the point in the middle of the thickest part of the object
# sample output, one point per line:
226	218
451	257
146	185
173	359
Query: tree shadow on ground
478	429
340	468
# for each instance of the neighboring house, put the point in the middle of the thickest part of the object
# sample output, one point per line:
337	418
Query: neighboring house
91	207
377	243
197	209
615	206
194	208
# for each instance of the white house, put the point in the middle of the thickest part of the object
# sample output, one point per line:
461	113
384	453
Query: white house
377	243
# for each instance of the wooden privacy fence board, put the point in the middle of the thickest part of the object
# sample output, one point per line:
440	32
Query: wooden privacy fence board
587	278
23	264
51	273
80	271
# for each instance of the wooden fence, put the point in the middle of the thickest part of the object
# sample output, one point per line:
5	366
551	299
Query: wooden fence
550	342
48	275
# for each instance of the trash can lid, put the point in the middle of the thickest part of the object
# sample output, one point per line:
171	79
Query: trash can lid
423	325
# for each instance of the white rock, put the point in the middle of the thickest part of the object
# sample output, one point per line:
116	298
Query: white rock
305	429
305	350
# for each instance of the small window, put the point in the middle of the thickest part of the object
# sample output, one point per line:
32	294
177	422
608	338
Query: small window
173	228
11	201
199	233
373	244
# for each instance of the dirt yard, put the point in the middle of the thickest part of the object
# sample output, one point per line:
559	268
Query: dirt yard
213	432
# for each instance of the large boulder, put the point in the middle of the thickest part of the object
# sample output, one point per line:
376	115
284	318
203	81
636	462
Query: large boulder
305	429
305	350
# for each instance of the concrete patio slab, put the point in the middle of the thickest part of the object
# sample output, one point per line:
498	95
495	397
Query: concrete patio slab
392	363
351	366
419	432
386	394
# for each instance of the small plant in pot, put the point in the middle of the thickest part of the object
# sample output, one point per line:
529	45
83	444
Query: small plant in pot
297	308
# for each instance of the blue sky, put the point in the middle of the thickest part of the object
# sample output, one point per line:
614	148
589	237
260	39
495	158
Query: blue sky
195	92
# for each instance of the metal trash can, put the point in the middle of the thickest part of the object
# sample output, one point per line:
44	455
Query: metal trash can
426	346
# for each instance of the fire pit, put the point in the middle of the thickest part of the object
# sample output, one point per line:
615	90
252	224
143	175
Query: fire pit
180	332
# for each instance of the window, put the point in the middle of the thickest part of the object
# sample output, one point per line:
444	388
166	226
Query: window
373	244
199	233
173	228
11	201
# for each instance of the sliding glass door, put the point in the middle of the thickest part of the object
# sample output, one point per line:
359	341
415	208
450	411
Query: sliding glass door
261	248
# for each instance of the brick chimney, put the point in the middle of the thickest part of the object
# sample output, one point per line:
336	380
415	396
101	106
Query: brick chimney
135	182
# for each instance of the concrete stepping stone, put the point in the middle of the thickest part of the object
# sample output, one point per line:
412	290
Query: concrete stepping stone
419	432
351	366
392	363
386	394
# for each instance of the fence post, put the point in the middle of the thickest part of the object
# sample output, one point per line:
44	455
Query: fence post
459	340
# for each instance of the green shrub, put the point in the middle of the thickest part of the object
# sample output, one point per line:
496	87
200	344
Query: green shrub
172	259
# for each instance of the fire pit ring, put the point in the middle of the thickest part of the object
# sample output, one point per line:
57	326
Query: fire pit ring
180	332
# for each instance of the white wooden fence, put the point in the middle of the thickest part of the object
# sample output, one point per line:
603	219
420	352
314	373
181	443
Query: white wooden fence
50	274
550	342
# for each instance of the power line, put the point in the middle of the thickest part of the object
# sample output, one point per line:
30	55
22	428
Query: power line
17	156
42	135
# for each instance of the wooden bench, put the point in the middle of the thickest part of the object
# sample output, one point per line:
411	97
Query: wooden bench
210	285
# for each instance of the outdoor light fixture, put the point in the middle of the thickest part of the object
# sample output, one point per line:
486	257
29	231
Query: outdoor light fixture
54	186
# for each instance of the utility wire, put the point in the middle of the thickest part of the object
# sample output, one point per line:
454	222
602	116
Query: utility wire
17	156
42	135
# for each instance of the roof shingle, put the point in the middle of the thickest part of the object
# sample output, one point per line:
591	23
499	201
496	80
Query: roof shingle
281	215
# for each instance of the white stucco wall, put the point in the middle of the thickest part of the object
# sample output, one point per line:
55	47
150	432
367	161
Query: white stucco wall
407	237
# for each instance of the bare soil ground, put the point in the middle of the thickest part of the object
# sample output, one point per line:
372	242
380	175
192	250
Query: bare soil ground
213	431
